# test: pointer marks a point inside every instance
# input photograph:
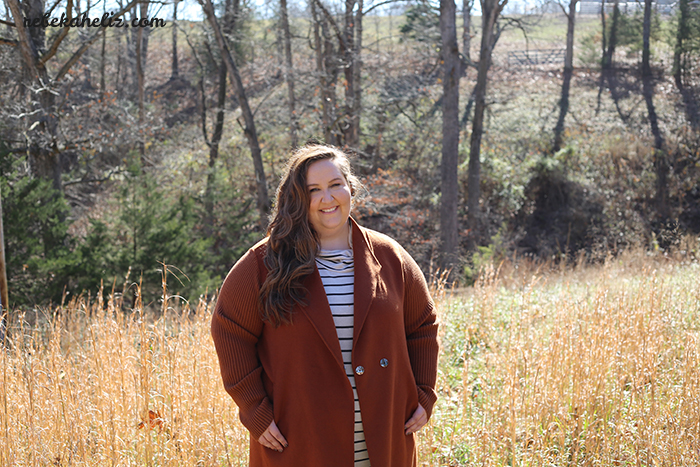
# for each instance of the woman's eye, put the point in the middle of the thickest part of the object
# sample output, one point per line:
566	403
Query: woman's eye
335	185
313	190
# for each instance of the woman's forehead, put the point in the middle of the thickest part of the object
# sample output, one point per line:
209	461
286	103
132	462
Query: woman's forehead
323	171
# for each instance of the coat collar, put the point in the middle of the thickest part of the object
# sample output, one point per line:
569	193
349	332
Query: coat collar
367	269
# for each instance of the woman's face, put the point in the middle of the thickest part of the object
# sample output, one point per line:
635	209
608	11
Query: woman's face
330	196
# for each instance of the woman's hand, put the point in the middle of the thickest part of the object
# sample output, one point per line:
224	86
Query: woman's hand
417	421
272	438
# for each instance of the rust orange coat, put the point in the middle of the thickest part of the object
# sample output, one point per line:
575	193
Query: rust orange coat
294	374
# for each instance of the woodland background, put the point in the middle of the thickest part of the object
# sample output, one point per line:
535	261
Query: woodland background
126	150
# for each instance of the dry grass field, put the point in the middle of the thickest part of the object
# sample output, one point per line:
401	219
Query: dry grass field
585	365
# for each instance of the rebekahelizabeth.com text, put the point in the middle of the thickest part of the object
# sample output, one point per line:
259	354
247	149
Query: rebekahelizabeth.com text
108	20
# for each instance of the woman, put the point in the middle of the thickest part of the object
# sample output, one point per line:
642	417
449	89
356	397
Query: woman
325	331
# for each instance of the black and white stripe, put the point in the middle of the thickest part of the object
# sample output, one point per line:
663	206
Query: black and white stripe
337	271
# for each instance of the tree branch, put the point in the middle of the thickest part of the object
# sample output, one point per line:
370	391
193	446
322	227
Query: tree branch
26	45
62	35
341	37
386	2
81	50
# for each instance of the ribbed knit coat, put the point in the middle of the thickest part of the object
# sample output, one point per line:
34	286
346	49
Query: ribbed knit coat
294	373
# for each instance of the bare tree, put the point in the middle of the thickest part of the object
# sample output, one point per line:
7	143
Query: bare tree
660	162
449	234
350	52
231	15
44	152
140	73
175	68
249	129
682	59
103	56
289	73
327	69
467	6
490	32
609	44
568	72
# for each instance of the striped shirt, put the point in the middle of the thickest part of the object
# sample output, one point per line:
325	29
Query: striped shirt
337	271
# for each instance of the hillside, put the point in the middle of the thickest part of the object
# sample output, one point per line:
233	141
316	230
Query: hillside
125	213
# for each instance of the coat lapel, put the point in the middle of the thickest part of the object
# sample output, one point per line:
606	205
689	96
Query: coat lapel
367	270
319	313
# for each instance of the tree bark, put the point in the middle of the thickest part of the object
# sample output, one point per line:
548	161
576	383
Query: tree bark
449	230
214	151
249	129
289	74
491	9
44	158
466	29
140	75
327	69
612	40
102	63
357	73
682	34
229	20
568	72
175	68
660	162
348	49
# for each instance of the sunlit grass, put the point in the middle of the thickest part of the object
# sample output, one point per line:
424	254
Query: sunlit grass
579	366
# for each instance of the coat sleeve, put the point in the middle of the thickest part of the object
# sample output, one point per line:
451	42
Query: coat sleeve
236	328
420	321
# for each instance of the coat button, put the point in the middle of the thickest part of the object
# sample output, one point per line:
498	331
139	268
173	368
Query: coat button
384	362
359	370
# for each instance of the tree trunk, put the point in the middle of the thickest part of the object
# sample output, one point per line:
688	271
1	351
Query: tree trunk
466	29
318	46
175	68
214	151
102	63
288	73
327	70
357	74
491	9
229	20
44	158
141	82
612	41
449	230
682	34
249	130
347	47
660	162
568	72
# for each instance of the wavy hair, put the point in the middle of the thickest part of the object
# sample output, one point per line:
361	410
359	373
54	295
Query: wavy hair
293	243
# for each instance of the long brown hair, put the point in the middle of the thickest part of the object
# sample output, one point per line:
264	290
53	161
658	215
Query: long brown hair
293	244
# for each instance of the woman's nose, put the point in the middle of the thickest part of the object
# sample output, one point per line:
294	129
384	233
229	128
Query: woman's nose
327	196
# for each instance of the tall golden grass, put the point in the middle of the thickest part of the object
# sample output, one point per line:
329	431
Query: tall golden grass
581	366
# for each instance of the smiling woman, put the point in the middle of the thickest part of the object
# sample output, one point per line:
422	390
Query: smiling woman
325	331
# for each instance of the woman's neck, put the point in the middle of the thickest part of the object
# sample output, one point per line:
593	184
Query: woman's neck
338	241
